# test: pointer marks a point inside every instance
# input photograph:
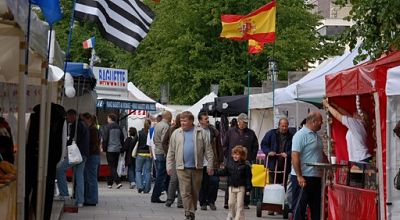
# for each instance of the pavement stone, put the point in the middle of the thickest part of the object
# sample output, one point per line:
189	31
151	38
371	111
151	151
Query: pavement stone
127	204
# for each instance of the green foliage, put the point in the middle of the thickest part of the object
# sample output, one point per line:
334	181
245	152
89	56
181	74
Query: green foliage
183	47
376	23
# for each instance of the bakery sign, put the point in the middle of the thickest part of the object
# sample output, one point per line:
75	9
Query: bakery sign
110	77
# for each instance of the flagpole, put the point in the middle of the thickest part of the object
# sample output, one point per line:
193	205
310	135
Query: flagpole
71	24
21	159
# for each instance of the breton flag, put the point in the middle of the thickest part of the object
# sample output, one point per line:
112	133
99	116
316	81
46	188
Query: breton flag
255	47
259	25
89	43
123	22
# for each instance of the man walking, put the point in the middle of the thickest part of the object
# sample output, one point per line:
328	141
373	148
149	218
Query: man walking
244	136
161	173
307	147
113	141
278	141
210	184
81	137
187	148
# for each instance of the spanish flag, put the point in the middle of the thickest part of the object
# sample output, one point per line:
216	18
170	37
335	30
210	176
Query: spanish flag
255	47
259	25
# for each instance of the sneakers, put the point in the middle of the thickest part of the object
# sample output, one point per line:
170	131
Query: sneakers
119	185
168	203
80	205
63	198
109	186
213	207
203	207
132	186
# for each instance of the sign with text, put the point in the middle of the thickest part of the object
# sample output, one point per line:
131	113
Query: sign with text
110	77
125	104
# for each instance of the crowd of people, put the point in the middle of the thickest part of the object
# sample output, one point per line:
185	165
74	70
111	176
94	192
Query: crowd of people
189	159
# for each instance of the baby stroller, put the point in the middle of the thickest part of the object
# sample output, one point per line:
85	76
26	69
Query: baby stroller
274	194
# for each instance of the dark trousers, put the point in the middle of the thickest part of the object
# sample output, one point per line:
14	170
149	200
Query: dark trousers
310	195
161	176
112	160
209	189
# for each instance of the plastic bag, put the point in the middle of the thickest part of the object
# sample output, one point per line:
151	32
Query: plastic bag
74	155
121	168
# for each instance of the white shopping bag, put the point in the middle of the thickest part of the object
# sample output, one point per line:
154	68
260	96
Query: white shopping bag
121	168
74	155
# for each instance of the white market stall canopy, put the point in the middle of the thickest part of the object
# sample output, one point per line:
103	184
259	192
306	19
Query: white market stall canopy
136	93
312	85
195	109
393	82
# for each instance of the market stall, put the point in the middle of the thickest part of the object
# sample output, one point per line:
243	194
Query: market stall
361	87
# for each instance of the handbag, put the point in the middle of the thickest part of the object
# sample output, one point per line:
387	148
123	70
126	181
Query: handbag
74	155
134	152
259	175
121	168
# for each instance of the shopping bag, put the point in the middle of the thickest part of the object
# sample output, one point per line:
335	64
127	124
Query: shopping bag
258	172
121	168
74	155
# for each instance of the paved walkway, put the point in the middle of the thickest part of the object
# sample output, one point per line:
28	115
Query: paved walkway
126	204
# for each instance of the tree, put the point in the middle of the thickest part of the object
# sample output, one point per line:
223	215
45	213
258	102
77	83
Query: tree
183	48
376	24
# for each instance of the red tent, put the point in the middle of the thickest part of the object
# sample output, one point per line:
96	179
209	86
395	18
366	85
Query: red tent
368	81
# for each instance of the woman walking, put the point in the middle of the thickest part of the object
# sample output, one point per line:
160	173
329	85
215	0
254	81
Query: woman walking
143	160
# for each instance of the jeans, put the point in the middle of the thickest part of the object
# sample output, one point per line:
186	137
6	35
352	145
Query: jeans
310	194
131	172
161	169
143	173
91	188
209	189
112	160
62	184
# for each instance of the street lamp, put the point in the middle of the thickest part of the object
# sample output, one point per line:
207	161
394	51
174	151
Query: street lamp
272	73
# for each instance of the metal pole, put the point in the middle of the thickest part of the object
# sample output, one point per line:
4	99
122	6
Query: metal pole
248	95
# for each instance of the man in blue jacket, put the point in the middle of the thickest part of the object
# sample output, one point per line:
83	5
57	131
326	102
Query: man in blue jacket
278	141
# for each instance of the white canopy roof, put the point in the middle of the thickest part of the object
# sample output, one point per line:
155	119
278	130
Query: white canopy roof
260	101
393	81
195	109
313	84
12	33
138	94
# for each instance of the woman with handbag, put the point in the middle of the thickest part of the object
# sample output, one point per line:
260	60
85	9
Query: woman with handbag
144	160
130	162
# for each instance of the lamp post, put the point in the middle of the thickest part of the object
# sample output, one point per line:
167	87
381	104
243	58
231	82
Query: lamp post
272	73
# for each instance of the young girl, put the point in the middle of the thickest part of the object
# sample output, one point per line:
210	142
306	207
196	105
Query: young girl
239	182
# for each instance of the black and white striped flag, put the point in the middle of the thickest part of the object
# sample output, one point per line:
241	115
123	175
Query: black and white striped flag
123	22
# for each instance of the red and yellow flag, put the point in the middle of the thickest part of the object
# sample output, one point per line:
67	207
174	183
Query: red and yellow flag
255	47
259	25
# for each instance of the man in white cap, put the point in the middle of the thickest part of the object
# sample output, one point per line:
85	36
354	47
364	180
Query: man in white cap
241	135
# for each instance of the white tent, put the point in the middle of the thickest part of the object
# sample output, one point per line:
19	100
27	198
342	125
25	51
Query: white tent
136	93
312	85
261	113
195	109
393	142
12	69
